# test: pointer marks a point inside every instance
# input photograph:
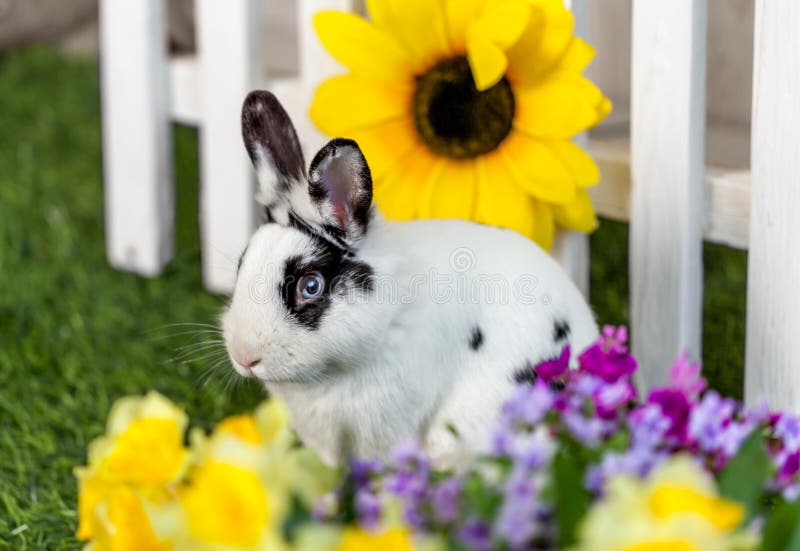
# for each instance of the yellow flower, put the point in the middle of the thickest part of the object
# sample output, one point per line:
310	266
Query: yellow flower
393	539
114	517
226	505
465	109
677	509
143	444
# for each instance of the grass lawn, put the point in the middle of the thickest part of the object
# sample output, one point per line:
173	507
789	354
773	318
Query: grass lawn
75	334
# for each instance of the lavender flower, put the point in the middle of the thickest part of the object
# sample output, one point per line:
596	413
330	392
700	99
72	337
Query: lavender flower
476	534
517	522
368	508
708	420
444	499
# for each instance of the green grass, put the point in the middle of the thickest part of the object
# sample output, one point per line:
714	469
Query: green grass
75	334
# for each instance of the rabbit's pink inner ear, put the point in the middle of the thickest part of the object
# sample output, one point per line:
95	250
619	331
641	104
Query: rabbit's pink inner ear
340	185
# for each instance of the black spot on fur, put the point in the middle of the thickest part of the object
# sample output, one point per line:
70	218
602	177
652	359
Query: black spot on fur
476	338
267	129
525	374
561	330
343	276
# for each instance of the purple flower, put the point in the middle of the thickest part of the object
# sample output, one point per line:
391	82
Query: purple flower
444	499
608	398
532	450
528	404
787	428
551	369
709	422
648	425
517	522
368	509
789	466
675	406
637	461
608	358
685	376
587	430
362	470
476	534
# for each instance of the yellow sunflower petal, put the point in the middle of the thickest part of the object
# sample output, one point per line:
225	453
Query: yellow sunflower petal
460	15
487	61
502	23
583	168
501	202
559	107
543	42
451	191
578	215
538	170
578	56
545	227
398	194
361	46
419	25
349	102
385	145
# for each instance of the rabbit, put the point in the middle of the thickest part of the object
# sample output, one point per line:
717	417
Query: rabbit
373	331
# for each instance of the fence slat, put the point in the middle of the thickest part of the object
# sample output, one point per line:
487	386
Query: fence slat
137	149
773	291
227	35
316	65
571	248
667	149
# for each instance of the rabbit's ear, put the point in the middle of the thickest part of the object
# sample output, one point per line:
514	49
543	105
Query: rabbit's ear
272	144
340	186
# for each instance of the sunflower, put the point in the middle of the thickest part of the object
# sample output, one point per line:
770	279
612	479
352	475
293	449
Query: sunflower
465	109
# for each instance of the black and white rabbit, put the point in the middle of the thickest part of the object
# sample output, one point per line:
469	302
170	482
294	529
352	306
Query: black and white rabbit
375	331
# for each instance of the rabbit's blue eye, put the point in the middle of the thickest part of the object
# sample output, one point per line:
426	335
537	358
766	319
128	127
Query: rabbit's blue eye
311	285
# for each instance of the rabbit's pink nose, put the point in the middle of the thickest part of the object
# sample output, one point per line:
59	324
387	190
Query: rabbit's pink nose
244	359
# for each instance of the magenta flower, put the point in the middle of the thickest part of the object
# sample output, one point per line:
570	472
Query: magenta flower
551	369
675	406
608	358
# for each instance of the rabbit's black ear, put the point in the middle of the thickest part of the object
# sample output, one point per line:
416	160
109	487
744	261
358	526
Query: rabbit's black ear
272	144
340	186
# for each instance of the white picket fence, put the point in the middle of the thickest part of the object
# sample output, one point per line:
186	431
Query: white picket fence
660	183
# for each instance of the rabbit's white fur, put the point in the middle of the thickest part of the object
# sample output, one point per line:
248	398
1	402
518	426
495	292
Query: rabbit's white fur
454	312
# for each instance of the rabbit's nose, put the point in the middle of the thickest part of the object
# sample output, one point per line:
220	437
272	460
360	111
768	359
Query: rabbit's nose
245	358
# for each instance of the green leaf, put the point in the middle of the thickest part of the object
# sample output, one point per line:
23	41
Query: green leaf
571	498
744	477
782	528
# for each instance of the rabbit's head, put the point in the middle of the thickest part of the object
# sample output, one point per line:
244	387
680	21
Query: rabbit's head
301	305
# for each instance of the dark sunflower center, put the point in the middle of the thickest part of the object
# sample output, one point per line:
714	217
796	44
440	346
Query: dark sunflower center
456	120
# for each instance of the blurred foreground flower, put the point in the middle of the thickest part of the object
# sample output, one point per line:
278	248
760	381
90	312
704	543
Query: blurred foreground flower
677	507
465	109
235	489
576	460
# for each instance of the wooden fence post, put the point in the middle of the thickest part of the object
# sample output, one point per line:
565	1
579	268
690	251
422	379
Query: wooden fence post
571	248
667	157
228	51
773	282
137	145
